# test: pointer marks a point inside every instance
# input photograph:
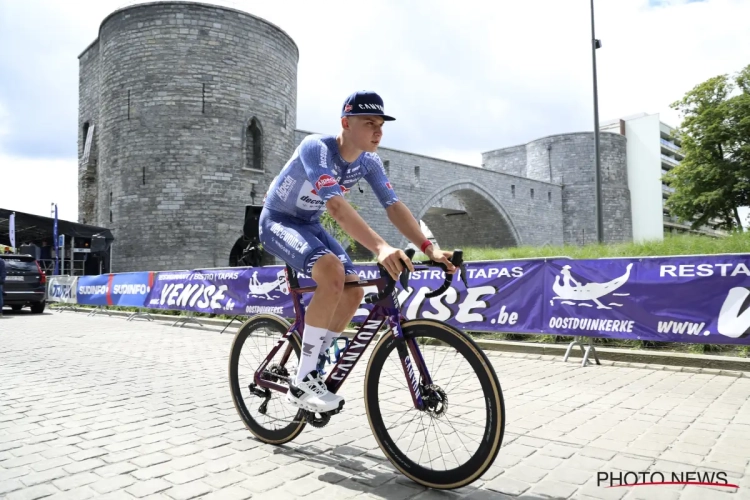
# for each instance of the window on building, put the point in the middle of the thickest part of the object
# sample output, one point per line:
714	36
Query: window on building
88	138
513	190
254	145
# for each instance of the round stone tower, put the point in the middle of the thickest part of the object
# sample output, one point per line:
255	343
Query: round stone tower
569	160
186	113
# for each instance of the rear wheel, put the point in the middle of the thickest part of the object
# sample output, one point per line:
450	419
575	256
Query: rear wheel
265	412
455	439
38	308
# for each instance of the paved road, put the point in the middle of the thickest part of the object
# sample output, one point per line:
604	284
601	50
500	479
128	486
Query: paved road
97	407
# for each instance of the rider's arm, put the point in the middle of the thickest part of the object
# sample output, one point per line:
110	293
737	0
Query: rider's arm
398	213
353	224
401	217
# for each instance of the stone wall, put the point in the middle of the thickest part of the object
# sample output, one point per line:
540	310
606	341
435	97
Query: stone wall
88	116
179	87
569	160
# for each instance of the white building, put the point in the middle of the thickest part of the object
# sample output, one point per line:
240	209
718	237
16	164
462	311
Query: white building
652	150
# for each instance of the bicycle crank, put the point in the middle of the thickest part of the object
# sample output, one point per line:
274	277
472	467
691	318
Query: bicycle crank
320	421
313	419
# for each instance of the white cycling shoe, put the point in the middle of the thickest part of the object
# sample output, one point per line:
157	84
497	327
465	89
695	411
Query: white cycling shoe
312	394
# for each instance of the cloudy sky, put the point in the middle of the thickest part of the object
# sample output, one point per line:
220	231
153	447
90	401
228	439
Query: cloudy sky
461	77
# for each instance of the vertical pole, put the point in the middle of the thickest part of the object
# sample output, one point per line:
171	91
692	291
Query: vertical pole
599	214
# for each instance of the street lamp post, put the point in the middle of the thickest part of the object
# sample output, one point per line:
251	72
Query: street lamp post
595	44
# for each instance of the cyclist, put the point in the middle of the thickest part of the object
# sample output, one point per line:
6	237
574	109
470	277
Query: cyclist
321	171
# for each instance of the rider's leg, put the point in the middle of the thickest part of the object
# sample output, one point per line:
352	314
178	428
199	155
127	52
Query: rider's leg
295	242
351	297
350	300
328	274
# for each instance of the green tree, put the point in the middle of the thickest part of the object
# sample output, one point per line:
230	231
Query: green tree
714	178
335	230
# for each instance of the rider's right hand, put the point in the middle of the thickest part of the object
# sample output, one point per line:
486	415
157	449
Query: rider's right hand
391	258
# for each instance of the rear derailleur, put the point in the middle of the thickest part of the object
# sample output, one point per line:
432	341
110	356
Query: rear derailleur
274	373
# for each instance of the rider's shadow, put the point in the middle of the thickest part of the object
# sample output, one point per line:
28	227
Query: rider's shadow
360	471
348	467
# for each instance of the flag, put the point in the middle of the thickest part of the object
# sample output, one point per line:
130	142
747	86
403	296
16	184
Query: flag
13	231
57	247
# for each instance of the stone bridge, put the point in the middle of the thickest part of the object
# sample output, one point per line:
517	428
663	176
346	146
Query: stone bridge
464	205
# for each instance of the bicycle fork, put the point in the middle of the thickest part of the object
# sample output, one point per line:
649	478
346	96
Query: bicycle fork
410	355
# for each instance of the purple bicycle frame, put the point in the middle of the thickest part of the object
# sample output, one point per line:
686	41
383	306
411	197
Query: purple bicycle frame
382	311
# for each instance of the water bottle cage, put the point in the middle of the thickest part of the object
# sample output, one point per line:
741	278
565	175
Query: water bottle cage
336	350
327	357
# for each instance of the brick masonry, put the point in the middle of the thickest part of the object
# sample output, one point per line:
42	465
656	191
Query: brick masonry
144	411
171	89
568	160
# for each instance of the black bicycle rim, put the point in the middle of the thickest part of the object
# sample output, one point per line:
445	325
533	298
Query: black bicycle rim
271	436
495	413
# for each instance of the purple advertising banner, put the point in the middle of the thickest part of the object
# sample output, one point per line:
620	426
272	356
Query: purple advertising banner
699	299
502	296
233	291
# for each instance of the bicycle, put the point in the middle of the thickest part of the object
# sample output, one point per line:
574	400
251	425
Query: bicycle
409	338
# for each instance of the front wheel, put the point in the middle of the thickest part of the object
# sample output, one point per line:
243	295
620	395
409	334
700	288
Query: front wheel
457	437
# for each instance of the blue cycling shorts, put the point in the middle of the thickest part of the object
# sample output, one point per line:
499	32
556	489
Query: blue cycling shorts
298	242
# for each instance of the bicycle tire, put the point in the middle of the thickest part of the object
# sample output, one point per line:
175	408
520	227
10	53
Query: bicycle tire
270	436
494	429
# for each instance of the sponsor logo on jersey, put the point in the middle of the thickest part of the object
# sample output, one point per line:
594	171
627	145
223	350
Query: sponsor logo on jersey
308	198
289	239
286	186
324	180
324	157
344	190
388	185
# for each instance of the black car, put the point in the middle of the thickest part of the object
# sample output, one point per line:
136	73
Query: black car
25	283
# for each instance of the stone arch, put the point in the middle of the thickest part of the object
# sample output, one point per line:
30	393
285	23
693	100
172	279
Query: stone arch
482	211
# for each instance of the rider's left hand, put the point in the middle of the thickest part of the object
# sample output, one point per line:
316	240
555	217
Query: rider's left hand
442	256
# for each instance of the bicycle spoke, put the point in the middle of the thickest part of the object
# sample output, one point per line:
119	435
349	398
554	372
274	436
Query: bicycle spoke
440	445
251	348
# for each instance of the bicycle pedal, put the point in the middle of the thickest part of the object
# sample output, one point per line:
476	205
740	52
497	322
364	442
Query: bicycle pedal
337	410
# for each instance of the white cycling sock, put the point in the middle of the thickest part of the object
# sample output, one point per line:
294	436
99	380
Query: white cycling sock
328	342
312	339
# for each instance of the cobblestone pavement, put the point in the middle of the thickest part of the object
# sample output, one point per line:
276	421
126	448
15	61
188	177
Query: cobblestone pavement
98	407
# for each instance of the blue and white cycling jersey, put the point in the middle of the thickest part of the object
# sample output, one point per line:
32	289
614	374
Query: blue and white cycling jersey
289	225
316	173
